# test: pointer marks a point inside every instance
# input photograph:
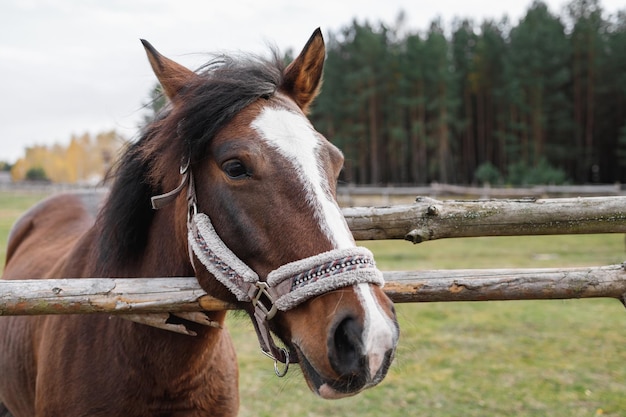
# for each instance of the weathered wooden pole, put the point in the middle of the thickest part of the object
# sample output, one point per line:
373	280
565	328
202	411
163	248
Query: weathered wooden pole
170	295
105	295
429	219
506	284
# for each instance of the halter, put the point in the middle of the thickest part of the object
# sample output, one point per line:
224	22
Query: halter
285	287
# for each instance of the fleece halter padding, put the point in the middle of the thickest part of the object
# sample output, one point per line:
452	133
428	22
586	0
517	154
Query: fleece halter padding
298	281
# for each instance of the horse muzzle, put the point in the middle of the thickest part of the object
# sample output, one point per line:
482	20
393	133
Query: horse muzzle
358	355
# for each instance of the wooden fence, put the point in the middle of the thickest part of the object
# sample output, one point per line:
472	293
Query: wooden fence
426	219
352	195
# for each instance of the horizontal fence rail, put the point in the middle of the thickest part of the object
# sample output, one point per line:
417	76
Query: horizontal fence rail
183	294
429	219
345	192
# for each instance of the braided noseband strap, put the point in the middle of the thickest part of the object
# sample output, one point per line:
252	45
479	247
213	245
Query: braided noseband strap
285	287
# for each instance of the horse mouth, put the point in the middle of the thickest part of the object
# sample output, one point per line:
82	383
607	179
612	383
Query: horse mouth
341	387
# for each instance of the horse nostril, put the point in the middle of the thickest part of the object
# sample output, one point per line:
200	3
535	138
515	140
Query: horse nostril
345	347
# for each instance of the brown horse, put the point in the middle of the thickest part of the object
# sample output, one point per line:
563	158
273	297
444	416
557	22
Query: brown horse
251	213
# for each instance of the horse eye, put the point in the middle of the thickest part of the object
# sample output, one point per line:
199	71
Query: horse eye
235	169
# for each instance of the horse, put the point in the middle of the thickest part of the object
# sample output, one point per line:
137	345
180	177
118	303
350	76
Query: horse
233	185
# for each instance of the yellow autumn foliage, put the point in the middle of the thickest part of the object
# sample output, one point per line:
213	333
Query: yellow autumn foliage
85	159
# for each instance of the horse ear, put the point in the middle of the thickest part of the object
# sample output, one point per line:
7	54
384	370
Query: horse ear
172	76
302	78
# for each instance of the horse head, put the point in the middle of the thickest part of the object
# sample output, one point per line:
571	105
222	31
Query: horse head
261	218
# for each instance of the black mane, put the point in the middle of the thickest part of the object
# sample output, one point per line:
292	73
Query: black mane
225	87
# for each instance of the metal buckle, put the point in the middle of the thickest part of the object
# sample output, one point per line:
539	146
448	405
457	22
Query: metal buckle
257	302
192	210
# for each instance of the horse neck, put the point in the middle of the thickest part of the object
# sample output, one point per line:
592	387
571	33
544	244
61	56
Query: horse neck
171	355
165	255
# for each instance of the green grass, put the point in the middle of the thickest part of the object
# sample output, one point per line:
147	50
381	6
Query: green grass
524	358
12	204
561	358
501	252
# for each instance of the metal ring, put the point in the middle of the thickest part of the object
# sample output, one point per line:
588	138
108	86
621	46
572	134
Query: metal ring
184	166
278	372
192	210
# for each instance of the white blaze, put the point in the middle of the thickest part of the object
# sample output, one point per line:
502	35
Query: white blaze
380	334
292	136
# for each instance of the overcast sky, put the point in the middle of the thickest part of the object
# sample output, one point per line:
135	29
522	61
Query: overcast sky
74	66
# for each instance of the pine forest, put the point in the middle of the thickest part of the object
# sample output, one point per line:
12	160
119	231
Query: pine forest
541	101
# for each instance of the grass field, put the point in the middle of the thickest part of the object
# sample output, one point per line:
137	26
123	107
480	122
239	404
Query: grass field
530	358
12	204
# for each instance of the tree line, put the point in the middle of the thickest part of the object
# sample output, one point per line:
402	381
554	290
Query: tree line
542	101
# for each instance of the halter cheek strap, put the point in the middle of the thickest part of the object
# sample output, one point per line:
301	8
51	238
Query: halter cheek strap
285	287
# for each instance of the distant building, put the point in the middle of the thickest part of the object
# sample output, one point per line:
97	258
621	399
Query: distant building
5	177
